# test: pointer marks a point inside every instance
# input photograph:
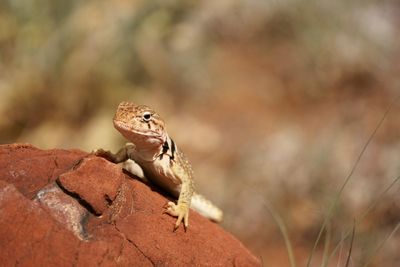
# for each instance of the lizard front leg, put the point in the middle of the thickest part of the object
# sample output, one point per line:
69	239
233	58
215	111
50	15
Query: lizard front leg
121	156
181	209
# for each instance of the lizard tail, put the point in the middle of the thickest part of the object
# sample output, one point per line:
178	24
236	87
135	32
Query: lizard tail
206	208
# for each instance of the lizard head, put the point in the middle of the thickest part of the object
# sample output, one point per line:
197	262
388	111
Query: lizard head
140	124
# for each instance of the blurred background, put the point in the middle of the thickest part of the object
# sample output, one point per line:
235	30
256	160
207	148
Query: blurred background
272	101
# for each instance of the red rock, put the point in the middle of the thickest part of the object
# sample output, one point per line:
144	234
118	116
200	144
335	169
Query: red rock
42	224
29	169
96	181
63	208
204	242
28	236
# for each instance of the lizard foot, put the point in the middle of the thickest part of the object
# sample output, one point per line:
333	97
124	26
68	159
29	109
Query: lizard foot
102	153
180	210
98	152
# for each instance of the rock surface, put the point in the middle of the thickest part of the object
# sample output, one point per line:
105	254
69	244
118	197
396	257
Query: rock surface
69	208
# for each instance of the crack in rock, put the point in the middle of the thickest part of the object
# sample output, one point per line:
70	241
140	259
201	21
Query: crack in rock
133	243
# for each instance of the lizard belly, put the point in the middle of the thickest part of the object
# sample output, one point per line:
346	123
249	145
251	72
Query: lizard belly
160	173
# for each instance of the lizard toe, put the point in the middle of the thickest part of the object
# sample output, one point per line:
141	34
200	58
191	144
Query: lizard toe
181	211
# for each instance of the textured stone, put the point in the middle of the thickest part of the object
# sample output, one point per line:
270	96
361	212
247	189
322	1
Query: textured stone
28	236
64	209
68	208
95	180
29	169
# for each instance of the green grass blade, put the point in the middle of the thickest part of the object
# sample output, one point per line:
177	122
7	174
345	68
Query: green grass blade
279	222
365	213
332	208
353	233
380	246
325	255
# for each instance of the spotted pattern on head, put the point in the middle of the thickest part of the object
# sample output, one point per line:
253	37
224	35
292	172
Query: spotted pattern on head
138	121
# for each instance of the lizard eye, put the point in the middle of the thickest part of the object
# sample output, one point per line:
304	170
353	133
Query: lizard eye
146	116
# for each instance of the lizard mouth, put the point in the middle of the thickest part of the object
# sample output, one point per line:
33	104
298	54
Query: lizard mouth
129	129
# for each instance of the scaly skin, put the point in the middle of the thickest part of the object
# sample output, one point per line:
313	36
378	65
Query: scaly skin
161	160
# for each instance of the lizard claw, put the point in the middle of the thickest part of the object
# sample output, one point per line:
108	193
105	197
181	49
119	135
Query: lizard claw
97	152
180	210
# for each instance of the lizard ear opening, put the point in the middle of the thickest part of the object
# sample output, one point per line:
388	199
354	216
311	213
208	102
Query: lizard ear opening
146	116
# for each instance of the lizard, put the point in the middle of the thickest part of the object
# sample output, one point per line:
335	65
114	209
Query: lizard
161	161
